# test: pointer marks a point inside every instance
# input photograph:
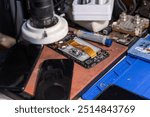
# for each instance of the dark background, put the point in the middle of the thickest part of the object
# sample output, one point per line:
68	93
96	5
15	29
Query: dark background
6	24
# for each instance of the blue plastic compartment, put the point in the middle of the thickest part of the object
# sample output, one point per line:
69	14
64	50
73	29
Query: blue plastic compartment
141	49
131	74
137	79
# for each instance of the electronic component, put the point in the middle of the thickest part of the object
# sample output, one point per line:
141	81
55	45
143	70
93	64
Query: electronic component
133	25
79	48
124	39
81	51
105	40
92	10
44	27
107	30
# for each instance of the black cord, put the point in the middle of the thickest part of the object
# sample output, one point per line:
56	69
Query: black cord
134	7
121	5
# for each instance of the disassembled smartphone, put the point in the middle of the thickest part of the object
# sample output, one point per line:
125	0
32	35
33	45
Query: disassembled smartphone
82	52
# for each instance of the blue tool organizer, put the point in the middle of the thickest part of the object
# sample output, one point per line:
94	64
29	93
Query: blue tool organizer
132	74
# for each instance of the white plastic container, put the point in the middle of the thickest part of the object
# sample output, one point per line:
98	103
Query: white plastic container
94	10
94	26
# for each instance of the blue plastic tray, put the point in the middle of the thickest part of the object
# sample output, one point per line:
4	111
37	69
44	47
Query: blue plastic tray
131	74
141	49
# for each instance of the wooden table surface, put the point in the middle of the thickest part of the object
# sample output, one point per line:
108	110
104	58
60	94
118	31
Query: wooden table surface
81	77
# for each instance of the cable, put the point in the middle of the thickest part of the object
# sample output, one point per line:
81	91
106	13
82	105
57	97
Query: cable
134	7
121	5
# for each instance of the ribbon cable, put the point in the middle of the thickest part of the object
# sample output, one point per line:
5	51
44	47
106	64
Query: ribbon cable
84	48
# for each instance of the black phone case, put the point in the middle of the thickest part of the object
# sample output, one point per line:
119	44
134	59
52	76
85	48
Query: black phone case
17	67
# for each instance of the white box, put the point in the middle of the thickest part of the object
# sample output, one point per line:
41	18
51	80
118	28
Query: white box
93	11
